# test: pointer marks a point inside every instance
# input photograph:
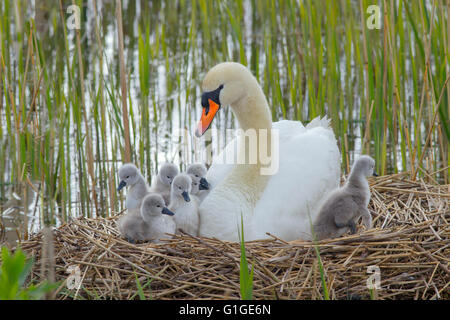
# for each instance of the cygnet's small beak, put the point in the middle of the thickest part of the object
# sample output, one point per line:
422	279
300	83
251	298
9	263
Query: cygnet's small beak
375	174
122	185
186	196
167	211
204	185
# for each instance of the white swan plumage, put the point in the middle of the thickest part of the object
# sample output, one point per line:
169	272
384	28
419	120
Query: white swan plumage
283	204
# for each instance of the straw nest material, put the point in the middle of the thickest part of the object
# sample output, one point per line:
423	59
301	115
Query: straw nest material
409	244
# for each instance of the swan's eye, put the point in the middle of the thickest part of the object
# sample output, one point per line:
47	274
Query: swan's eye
127	177
158	206
195	184
179	188
168	177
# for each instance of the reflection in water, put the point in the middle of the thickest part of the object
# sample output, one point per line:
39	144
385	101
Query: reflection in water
18	214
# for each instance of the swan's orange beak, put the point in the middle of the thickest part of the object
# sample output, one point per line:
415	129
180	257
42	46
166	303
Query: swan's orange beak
207	117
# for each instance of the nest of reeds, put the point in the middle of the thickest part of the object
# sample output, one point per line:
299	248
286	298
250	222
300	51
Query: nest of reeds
409	246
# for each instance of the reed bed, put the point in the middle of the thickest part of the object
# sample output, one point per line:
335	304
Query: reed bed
410	243
76	104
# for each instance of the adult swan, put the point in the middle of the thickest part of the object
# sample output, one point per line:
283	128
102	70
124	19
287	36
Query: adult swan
283	204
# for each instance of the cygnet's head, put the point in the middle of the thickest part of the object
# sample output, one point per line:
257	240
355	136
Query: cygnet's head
153	205
197	172
128	175
365	166
167	173
224	85
182	186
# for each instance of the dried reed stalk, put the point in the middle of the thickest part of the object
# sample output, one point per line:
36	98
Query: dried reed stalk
123	83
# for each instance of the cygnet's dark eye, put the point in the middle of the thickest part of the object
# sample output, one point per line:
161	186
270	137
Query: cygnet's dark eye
168	177
195	184
196	175
128	177
158	206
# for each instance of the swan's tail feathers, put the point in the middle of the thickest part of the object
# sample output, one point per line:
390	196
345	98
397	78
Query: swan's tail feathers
324	123
318	122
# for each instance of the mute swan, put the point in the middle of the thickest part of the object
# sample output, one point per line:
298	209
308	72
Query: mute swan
200	186
184	206
284	203
130	176
148	222
345	205
163	181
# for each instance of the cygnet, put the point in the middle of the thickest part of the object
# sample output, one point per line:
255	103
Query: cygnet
341	210
163	181
131	177
200	186
152	221
183	205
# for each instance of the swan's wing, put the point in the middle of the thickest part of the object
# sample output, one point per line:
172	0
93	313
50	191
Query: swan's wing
130	225
288	129
319	122
309	168
224	162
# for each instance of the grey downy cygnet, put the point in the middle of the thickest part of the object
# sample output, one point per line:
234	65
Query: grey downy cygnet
200	186
152	221
341	210
163	180
131	177
183	205
157	217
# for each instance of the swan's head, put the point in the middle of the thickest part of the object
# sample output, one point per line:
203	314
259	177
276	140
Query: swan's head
153	205
197	172
224	85
182	186
128	175
167	173
364	166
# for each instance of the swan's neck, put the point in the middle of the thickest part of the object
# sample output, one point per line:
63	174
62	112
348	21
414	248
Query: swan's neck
148	219
357	181
255	120
252	111
175	201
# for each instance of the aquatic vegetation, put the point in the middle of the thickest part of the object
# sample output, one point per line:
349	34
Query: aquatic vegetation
64	128
15	268
245	276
